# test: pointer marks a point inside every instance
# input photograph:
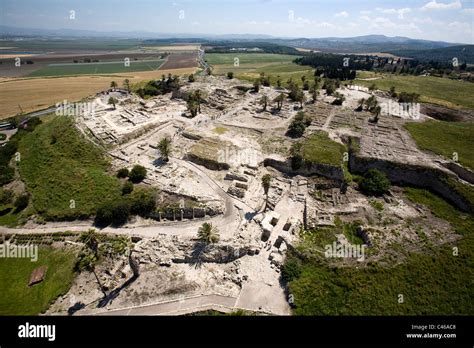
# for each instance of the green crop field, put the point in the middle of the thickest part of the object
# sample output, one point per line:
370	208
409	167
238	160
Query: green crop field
20	299
72	69
252	64
445	139
247	58
436	90
59	166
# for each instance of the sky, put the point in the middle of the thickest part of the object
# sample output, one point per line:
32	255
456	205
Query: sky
443	20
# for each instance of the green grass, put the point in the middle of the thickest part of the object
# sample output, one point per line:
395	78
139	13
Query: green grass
97	68
318	148
252	64
20	299
434	282
59	165
462	223
247	58
445	138
220	130
436	90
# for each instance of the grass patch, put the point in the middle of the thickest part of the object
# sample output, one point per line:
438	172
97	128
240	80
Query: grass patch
445	138
436	90
59	165
220	130
462	223
20	299
318	148
376	205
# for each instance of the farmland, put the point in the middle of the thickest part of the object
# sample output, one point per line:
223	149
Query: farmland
251	65
436	90
71	69
31	94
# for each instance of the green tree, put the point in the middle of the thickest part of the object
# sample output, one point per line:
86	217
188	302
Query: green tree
112	101
264	102
164	146
266	182
208	234
191	78
127	188
230	75
374	182
126	85
256	85
113	85
137	174
279	99
123	173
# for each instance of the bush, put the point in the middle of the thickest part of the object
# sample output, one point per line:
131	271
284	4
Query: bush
123	173
291	270
115	213
137	174
296	129
142	202
230	75
21	202
6	175
127	188
374	183
6	196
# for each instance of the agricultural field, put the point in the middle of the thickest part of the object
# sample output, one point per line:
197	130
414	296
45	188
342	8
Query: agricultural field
251	65
436	90
445	139
30	93
72	69
59	165
20	299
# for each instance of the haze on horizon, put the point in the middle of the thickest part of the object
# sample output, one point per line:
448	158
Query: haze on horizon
439	20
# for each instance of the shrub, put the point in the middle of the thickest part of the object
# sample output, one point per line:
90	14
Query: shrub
6	196
123	173
127	188
142	202
115	213
230	75
374	183
21	202
291	270
137	174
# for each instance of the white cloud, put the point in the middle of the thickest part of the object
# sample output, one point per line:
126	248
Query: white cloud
382	22
468	11
434	5
401	12
365	13
365	18
342	14
461	26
